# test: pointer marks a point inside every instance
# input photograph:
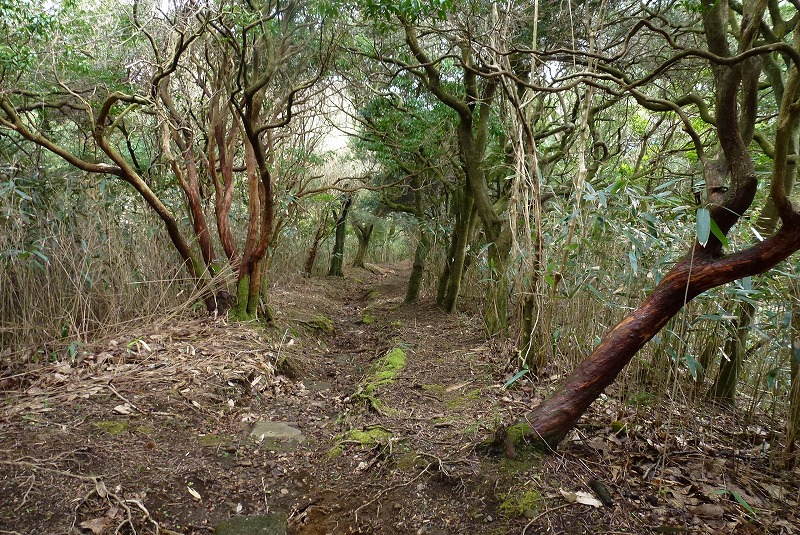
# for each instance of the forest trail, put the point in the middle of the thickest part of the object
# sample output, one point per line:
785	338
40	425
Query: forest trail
309	427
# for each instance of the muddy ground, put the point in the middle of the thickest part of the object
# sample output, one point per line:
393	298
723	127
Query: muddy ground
151	432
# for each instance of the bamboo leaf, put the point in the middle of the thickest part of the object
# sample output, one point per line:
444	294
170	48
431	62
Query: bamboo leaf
516	377
719	234
703	226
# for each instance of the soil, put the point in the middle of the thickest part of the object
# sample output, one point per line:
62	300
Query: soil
149	432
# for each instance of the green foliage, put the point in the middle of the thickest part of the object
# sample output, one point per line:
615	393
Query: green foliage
408	10
23	23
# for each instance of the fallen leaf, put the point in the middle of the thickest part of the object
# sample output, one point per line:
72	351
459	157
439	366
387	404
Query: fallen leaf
194	493
125	409
571	497
100	489
459	386
98	526
707	510
587	499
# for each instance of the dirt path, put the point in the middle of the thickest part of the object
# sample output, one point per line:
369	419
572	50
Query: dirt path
152	432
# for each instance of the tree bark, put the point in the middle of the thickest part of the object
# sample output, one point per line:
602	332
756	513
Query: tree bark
418	269
455	262
550	422
311	257
363	233
724	388
337	255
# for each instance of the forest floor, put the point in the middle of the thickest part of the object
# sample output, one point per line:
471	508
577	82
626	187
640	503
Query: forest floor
153	432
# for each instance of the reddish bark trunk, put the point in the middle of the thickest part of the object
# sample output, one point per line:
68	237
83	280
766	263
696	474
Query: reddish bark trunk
223	190
555	417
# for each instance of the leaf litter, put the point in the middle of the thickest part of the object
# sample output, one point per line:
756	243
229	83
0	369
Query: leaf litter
148	432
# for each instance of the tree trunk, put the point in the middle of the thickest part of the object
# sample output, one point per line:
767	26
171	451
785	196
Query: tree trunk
314	249
550	422
495	312
418	270
337	255
363	233
793	423
724	388
454	264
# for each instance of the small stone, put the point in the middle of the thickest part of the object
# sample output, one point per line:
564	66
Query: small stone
284	491
489	518
397	506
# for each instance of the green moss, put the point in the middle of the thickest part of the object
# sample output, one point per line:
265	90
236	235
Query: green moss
527	502
368	438
619	428
239	311
382	373
519	431
443	420
396	324
465	399
320	323
367	319
373	294
410	461
144	430
436	388
112	427
521	434
210	441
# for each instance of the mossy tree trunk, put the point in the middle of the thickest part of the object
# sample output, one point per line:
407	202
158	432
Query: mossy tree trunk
337	254
473	105
418	269
311	257
363	233
453	271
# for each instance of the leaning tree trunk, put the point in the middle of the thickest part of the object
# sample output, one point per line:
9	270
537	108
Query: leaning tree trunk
311	257
337	255
550	422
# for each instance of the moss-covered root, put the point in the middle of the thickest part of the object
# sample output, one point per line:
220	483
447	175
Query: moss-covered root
369	437
382	373
518	439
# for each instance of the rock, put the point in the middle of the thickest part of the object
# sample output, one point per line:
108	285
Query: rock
316	386
277	435
271	524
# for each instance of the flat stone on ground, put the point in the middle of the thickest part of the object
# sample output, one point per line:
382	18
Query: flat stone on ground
277	435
